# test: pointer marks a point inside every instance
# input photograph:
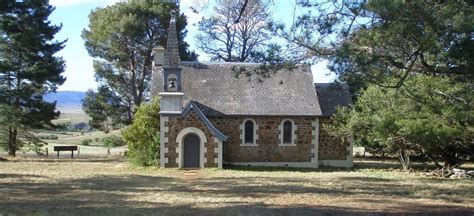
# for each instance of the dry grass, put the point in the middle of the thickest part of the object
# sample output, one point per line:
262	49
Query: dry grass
111	186
74	116
75	138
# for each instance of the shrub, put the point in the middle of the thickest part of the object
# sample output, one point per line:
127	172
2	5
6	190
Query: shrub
143	136
431	117
86	142
113	141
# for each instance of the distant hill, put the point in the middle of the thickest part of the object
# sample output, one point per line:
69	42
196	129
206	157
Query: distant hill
67	101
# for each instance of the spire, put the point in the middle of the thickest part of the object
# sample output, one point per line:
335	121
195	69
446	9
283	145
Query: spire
172	53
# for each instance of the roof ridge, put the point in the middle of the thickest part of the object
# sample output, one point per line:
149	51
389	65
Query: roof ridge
193	106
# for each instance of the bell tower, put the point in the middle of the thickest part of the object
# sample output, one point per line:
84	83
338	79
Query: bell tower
171	97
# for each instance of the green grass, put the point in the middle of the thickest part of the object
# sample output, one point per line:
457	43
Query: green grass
107	186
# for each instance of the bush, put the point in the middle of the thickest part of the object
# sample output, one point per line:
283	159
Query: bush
430	118
86	142
143	136
113	141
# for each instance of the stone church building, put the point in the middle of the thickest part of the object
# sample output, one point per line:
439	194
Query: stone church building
231	113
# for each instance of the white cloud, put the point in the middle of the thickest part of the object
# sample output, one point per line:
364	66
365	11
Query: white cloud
195	4
321	74
70	3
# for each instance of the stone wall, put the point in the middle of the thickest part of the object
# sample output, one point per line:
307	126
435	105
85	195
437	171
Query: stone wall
331	148
268	148
177	123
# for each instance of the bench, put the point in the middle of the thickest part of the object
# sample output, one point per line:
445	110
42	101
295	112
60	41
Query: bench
67	148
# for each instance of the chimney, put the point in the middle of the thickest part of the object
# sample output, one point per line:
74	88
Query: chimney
158	56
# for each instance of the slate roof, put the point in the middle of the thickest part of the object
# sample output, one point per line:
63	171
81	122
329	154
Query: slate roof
193	106
219	90
332	95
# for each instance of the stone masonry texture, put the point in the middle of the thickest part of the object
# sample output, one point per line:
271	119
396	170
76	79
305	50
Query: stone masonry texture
267	149
331	148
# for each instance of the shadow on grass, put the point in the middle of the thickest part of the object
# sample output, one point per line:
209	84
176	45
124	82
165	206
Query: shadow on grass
268	169
359	164
14	175
261	187
235	193
145	194
68	160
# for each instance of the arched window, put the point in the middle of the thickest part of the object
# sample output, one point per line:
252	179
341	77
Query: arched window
287	132
249	132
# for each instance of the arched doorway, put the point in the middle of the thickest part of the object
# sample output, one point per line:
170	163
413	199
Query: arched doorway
191	151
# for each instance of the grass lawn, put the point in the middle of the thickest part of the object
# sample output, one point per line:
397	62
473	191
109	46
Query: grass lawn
113	187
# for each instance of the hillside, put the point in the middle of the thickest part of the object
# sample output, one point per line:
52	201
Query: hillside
69	102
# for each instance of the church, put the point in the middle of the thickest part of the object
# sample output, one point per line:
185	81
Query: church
221	113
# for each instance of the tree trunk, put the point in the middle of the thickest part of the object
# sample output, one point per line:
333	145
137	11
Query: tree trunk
12	152
404	157
12	133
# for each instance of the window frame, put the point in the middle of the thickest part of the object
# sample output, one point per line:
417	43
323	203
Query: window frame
242	135
293	133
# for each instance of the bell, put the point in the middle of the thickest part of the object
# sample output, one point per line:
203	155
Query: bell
172	84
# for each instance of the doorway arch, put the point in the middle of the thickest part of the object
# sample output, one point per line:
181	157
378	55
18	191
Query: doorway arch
184	134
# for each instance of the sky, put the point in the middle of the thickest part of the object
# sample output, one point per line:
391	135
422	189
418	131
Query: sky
73	15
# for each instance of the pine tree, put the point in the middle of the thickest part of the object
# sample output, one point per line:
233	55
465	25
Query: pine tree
121	39
28	70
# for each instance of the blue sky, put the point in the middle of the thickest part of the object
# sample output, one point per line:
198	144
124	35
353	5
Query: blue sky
73	14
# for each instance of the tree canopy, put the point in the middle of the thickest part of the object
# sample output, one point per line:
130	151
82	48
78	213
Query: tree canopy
374	40
121	38
235	31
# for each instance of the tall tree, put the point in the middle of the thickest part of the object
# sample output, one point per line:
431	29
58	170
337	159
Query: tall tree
105	109
121	38
420	54
28	70
235	31
374	40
